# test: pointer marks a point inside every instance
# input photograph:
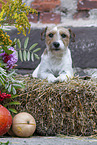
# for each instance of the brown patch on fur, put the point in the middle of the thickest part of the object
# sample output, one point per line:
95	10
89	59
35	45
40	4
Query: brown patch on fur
72	35
43	34
66	32
45	51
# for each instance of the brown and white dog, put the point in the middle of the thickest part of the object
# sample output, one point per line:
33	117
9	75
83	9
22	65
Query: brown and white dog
56	62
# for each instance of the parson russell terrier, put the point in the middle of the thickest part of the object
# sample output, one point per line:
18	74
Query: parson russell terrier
56	62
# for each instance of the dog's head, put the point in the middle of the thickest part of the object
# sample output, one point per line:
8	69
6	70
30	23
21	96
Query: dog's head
57	38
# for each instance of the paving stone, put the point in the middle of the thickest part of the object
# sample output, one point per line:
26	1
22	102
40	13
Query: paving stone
50	140
87	4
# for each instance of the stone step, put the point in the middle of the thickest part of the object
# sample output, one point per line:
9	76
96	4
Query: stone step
82	73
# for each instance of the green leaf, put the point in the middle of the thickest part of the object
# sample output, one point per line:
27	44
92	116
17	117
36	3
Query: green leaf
7	51
32	56
6	85
36	50
2	71
17	81
19	43
15	40
1	77
7	143
9	88
20	55
24	55
14	43
28	56
12	110
33	46
13	96
36	56
26	42
11	74
1	81
17	54
12	103
13	90
18	85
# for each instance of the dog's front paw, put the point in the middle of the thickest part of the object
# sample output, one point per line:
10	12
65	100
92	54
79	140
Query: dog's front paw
53	80
62	78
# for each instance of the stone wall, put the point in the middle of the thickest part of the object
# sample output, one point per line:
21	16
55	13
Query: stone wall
84	49
71	9
64	11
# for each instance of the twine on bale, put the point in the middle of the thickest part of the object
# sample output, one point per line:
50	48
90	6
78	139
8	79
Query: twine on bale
68	108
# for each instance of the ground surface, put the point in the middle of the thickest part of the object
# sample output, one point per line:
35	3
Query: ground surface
64	140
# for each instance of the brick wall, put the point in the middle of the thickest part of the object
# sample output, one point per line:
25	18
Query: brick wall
84	7
46	11
52	11
73	9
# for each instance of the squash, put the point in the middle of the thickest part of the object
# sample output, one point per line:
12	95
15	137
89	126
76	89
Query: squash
23	124
5	120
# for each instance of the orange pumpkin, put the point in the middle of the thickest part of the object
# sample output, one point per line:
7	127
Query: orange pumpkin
5	120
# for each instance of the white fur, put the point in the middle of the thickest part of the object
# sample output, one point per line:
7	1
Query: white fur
55	66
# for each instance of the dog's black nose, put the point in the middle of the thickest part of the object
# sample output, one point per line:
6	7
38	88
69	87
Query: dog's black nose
56	44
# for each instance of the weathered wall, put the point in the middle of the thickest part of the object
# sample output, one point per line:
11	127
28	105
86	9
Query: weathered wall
70	6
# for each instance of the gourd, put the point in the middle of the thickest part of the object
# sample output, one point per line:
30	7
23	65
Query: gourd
23	125
5	120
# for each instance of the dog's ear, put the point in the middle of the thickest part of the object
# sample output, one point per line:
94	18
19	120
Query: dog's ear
43	34
72	35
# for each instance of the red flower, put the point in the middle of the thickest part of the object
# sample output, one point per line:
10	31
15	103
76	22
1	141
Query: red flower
4	96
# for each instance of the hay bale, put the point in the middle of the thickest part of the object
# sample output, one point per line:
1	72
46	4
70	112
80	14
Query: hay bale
67	108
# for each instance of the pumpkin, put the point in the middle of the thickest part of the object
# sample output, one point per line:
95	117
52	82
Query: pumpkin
23	124
5	120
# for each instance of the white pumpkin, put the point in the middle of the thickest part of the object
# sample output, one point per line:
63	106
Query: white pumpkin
23	125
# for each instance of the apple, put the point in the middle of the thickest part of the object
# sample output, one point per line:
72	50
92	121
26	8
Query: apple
23	125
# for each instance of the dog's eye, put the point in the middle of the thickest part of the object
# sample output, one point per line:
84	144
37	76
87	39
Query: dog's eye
51	35
63	35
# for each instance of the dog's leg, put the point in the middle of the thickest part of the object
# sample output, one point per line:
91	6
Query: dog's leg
52	79
64	77
49	76
35	72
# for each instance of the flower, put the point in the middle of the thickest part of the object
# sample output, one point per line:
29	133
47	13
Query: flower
4	96
4	39
10	59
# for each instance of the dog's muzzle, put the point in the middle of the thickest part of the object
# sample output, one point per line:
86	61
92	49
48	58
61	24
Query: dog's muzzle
56	46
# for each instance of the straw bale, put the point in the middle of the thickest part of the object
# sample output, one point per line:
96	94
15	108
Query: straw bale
68	108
